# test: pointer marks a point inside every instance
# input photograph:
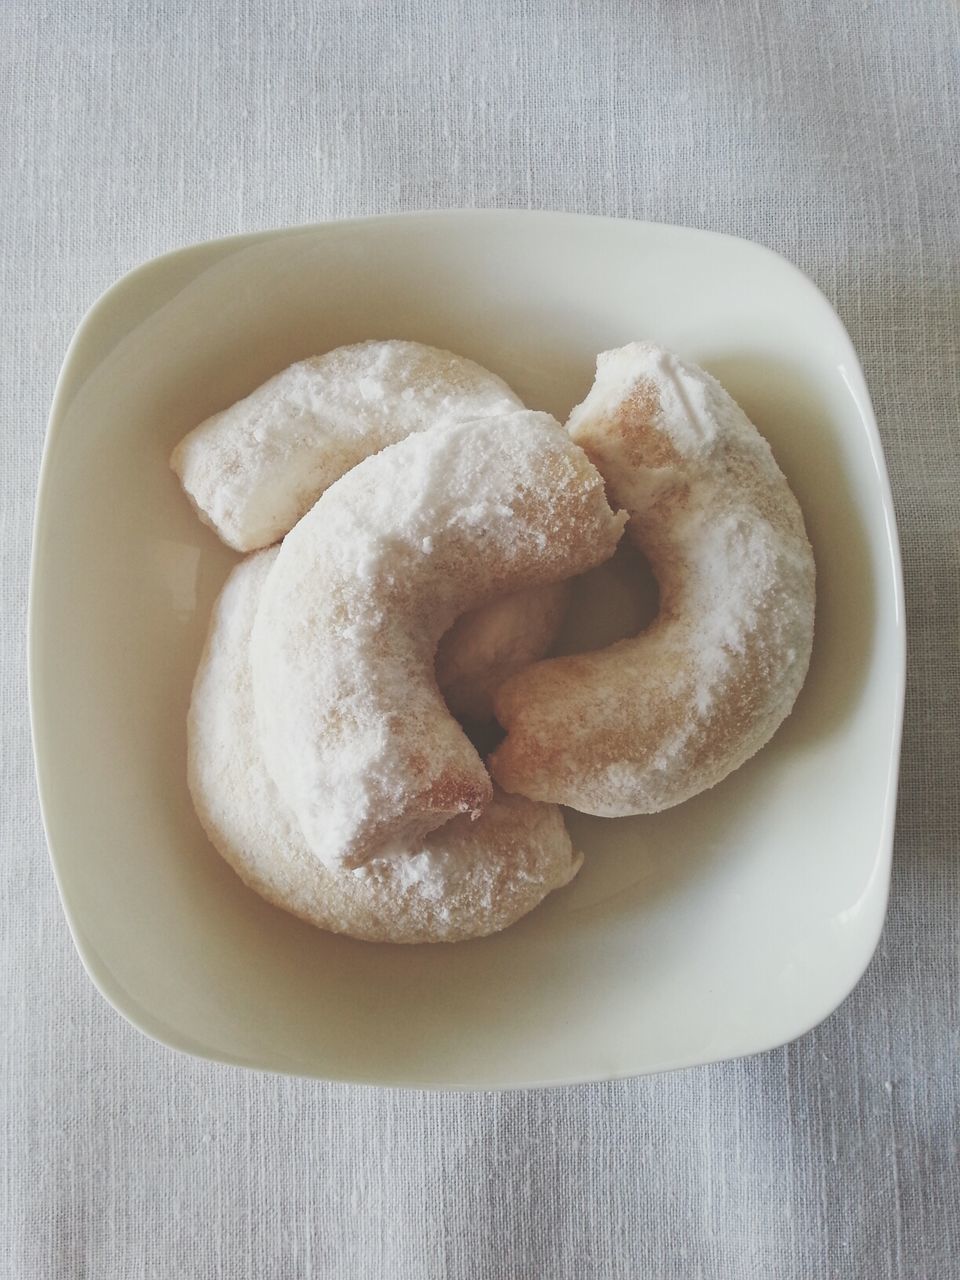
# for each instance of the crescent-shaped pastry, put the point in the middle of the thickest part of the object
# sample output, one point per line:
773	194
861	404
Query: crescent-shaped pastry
353	728
254	469
464	881
653	720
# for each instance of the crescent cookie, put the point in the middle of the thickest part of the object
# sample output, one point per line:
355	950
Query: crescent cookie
464	881
253	470
653	720
352	726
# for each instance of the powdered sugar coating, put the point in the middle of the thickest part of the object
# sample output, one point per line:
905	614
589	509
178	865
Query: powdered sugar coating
653	720
464	881
254	469
352	726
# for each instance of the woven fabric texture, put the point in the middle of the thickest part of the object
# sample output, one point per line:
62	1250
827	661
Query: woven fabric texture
828	131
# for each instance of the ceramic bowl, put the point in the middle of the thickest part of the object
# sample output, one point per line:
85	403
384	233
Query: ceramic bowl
725	926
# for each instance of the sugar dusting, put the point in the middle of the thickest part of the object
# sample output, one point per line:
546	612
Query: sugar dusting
352	725
466	880
735	575
254	469
657	718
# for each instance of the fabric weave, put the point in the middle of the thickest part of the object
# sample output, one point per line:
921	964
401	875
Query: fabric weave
827	131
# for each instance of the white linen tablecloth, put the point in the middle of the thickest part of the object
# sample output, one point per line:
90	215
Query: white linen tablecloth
830	131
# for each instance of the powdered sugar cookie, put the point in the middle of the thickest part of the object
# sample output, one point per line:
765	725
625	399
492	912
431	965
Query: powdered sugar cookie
463	881
254	469
653	720
353	728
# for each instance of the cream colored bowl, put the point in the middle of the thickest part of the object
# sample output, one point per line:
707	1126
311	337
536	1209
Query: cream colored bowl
728	925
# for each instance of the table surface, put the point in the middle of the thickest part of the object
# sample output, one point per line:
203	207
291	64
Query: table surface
827	131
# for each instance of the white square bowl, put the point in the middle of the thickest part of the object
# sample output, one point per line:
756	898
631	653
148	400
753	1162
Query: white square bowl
728	925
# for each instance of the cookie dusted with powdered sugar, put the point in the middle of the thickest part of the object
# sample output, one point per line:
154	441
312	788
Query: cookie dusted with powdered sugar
254	469
464	881
654	720
352	725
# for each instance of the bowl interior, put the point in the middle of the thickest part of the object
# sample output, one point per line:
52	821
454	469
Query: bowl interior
721	927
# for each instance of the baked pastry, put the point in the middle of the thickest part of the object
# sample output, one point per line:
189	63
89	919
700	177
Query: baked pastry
254	469
352	726
463	881
653	720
